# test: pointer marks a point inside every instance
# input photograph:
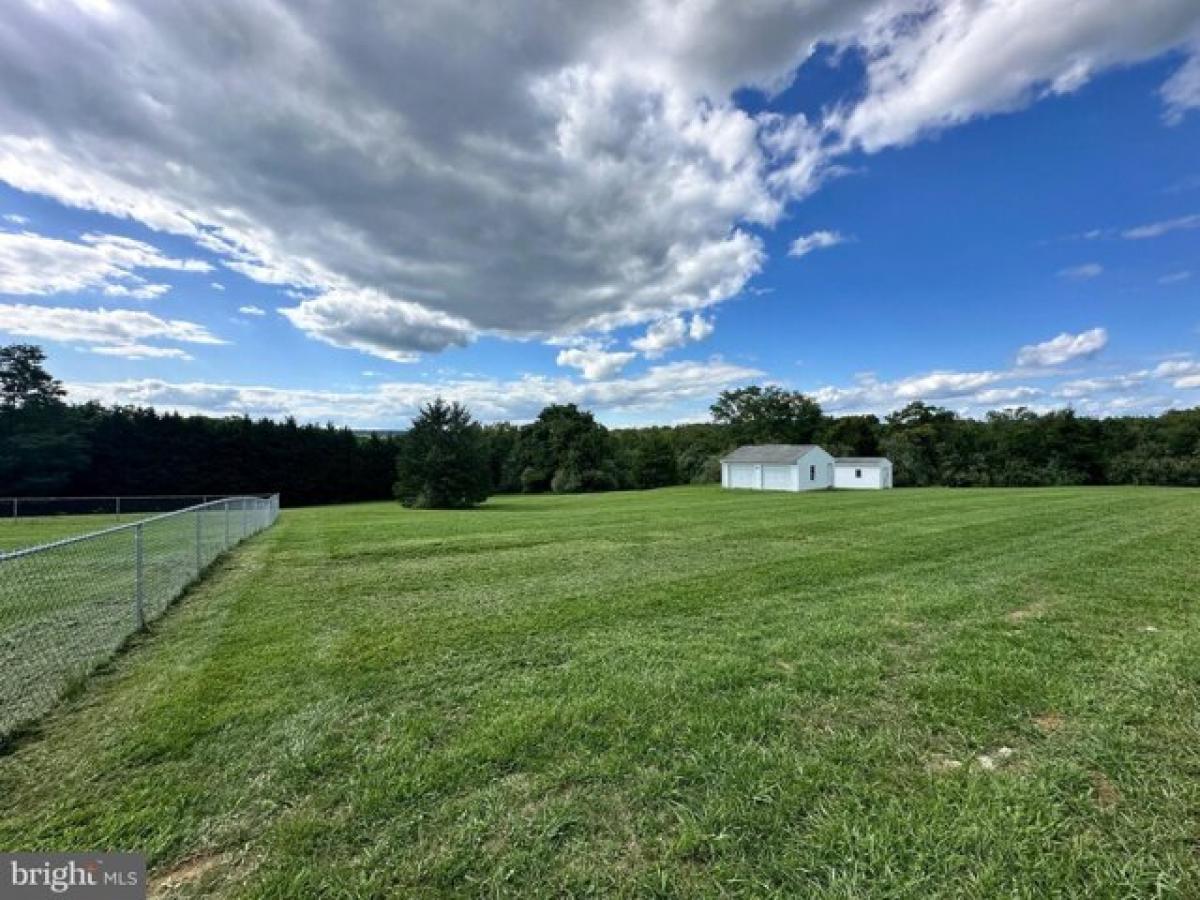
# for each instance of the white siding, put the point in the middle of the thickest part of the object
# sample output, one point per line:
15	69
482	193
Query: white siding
863	476
779	478
742	475
815	470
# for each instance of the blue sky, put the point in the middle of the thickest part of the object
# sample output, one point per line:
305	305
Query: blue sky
242	208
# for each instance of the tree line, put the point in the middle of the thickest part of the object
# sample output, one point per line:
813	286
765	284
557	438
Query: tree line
566	450
52	448
48	446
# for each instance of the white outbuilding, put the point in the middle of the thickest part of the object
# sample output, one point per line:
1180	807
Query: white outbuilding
778	467
801	467
862	472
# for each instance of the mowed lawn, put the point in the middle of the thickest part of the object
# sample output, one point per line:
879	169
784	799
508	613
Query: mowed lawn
684	692
18	533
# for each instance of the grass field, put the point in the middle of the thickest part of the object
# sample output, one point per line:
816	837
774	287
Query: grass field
675	693
18	533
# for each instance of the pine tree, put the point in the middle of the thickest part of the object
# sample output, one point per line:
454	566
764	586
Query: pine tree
24	381
443	460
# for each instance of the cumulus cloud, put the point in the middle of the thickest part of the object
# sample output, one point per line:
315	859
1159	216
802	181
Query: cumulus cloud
252	311
1084	272
392	404
974	392
1182	373
542	169
941	385
870	394
700	328
671	332
931	66
1007	395
16	218
116	332
1063	348
818	240
594	362
33	264
377	323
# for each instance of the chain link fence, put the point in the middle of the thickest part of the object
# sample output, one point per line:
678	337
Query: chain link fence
67	606
16	509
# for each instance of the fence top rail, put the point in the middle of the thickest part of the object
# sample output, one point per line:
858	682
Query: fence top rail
29	498
128	526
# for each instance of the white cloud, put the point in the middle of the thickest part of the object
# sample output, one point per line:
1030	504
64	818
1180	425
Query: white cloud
252	310
32	264
536	170
1089	387
1084	272
700	328
942	385
974	392
16	218
1175	277
817	240
216	285
1158	229
931	66
378	324
1063	348
594	362
1003	396
119	332
660	388
670	333
143	351
1182	373
869	394
1181	92
1098	396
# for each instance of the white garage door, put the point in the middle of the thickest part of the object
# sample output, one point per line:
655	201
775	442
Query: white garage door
742	476
777	478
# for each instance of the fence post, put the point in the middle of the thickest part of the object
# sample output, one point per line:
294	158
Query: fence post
244	512
139	590
226	524
14	509
199	560
118	507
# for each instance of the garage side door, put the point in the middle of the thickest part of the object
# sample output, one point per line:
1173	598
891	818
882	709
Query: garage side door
742	476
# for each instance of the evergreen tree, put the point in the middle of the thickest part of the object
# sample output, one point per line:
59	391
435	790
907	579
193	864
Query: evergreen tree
443	460
24	381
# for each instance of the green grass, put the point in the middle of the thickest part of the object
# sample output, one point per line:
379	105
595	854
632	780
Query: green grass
18	533
684	692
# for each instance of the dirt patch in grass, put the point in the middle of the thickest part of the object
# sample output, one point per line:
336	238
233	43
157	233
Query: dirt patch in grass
1107	795
940	764
1049	722
1032	611
184	874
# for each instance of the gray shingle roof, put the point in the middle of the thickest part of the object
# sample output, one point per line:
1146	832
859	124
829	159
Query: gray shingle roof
859	460
768	454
